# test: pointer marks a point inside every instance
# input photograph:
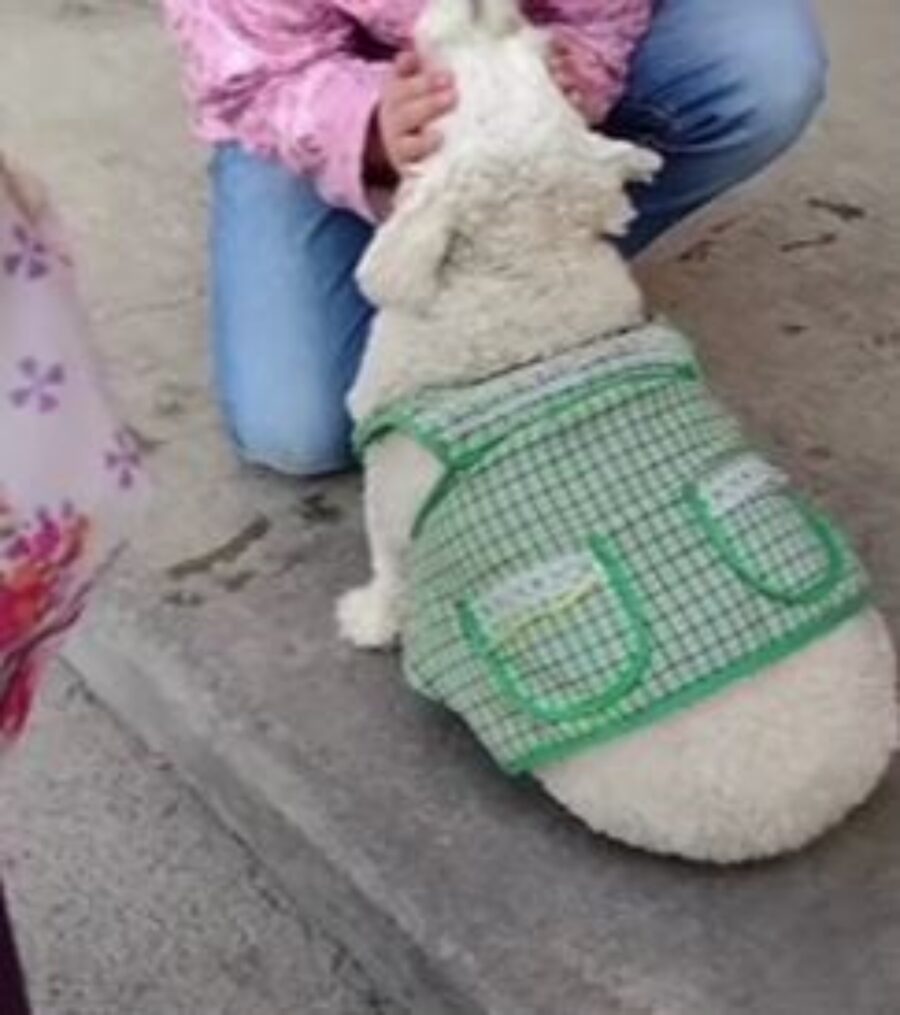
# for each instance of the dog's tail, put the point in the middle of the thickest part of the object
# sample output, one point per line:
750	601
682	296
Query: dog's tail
449	21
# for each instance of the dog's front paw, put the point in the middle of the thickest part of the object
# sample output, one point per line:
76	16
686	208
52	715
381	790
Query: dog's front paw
367	618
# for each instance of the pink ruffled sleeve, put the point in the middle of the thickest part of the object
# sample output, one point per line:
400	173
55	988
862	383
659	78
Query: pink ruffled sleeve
601	36
282	78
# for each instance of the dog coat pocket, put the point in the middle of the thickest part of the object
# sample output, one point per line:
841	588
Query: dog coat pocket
563	639
766	533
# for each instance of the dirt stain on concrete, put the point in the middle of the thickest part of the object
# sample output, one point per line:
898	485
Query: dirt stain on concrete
821	240
887	339
700	251
843	210
697	253
226	553
235	582
316	509
819	453
183	599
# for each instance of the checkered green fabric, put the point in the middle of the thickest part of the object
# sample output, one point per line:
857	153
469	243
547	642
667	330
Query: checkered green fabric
603	549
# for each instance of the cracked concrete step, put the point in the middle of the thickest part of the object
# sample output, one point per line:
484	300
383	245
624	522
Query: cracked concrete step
177	917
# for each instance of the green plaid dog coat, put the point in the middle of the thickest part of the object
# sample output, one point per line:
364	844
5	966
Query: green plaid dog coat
603	549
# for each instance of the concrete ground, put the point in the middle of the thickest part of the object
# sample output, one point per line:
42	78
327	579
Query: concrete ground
130	899
381	821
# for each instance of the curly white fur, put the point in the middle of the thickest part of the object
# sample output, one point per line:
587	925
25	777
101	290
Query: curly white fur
495	257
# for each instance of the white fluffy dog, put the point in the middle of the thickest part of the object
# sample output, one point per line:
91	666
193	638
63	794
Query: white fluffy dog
495	258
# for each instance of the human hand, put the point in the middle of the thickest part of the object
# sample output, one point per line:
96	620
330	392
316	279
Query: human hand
414	96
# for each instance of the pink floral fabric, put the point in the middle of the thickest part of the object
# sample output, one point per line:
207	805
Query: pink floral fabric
298	80
69	473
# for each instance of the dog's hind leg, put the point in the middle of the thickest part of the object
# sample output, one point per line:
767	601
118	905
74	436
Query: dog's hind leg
399	475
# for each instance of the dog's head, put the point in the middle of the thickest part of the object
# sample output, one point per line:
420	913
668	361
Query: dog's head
446	24
518	168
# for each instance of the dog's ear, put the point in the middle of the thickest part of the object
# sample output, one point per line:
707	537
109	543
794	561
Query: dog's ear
615	164
633	163
500	17
445	22
403	263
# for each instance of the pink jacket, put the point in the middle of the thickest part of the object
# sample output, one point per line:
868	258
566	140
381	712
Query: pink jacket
298	80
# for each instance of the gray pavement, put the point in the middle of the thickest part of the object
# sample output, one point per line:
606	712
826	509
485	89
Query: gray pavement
130	900
460	891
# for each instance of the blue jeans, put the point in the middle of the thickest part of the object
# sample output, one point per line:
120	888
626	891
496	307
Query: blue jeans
719	87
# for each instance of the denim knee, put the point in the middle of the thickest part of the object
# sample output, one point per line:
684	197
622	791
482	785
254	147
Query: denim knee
775	90
288	325
309	441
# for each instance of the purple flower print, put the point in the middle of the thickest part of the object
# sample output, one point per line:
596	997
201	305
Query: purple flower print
123	460
40	538
30	255
40	385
